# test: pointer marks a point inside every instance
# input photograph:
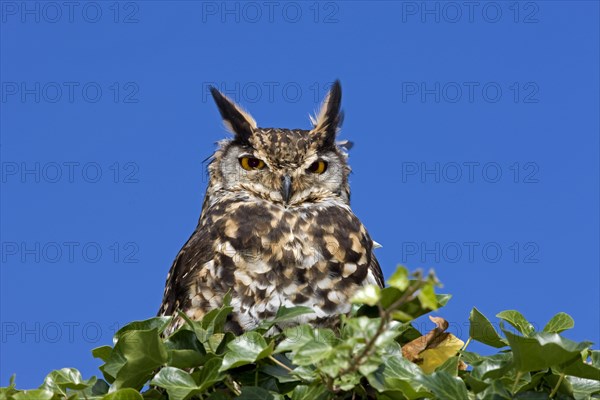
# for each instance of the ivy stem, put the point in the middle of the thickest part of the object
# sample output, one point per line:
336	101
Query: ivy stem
232	387
517	379
466	344
385	315
460	352
560	379
282	365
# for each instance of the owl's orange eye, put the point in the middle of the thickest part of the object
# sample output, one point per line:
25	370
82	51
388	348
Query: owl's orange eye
251	163
318	167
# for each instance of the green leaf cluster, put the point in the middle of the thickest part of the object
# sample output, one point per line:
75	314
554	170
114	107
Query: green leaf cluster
362	358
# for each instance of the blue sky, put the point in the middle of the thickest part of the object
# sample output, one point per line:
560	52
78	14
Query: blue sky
476	132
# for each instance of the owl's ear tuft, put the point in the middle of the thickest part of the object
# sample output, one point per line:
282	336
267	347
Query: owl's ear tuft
329	118
235	118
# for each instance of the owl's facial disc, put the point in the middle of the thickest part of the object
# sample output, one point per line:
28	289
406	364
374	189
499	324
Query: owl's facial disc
312	176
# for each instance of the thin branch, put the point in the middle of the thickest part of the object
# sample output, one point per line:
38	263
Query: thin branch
560	379
386	315
282	365
517	379
466	344
231	386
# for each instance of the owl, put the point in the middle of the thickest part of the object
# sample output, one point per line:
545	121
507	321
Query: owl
276	227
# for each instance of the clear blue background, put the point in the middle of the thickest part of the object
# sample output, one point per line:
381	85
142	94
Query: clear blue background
152	62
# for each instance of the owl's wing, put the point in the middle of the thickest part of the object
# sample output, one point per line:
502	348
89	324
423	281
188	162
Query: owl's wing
172	292
190	259
375	269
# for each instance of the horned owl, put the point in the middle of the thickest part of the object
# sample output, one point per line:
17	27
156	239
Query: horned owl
276	228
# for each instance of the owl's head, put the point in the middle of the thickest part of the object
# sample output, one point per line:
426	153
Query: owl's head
291	167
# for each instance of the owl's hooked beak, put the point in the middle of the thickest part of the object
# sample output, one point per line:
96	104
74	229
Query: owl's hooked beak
286	188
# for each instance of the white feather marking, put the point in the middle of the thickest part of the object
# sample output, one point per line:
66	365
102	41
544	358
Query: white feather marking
325	283
241	276
336	297
370	280
290	289
349	269
210	266
259	267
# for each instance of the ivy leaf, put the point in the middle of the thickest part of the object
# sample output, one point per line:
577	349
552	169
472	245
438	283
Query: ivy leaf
517	320
281	374
67	378
209	374
369	295
584	388
495	391
311	353
153	394
184	350
399	375
196	326
179	384
313	392
409	310
6	393
529	395
553	380
444	386
433	349
158	323
298	336
285	314
427	297
214	320
488	367
580	369
102	352
412	308
246	349
399	279
113	364
442	299
100	388
481	329
37	394
124	394
135	356
437	356
560	322
305	373
543	350
520	382
255	393
452	365
216	395
400	368
475	385
295	337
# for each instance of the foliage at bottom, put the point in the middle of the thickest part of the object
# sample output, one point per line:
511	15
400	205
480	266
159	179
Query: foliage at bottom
375	353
